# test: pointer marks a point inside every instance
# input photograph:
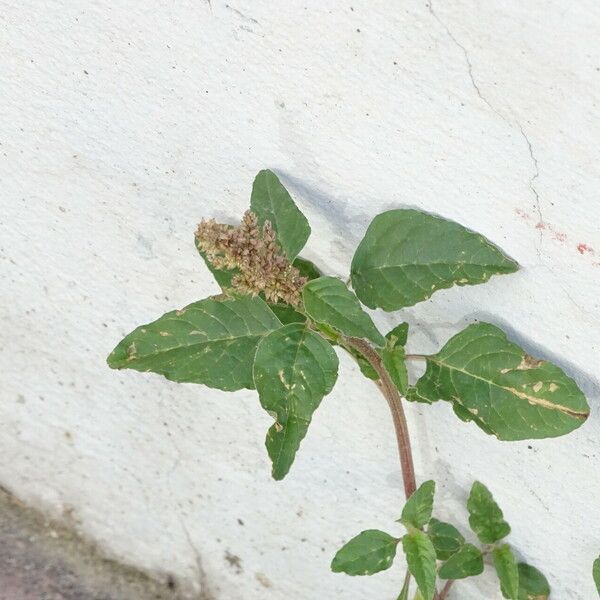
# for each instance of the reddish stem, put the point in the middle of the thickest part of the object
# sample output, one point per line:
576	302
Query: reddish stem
394	400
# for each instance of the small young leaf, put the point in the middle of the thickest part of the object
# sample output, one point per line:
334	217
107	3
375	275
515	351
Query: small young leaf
369	552
533	585
393	360
270	201
467	562
507	571
406	255
207	342
398	335
293	369
420	557
418	508
446	539
508	392
222	276
365	366
328	300
485	516
596	573
307	268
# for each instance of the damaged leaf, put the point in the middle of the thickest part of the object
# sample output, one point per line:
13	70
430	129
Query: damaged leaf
210	342
504	390
294	368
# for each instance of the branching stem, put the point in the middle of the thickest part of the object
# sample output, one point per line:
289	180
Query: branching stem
394	400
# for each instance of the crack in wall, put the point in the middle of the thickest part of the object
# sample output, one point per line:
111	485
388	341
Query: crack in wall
202	578
532	179
468	62
510	122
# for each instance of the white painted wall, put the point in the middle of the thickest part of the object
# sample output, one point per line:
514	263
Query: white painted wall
123	123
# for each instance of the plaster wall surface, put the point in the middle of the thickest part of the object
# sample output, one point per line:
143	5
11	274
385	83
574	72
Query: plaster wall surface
123	123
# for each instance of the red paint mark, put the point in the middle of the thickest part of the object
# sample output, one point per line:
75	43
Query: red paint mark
540	225
524	215
585	249
559	236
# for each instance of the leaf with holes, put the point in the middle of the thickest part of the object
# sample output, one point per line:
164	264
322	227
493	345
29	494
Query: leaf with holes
293	369
485	516
533	585
207	342
420	557
270	201
407	255
506	391
467	562
446	539
418	508
507	571
369	552
327	300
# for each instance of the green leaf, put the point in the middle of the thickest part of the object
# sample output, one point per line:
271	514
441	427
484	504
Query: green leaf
393	360
270	201
507	571
420	557
596	573
485	516
369	552
446	538
286	313
398	335
209	342
418	508
466	416
406	255
307	268
533	585
507	392
467	562
364	365
222	276
328	300
293	369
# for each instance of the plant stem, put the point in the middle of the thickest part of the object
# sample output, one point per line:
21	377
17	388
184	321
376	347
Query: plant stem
405	588
446	589
415	357
394	400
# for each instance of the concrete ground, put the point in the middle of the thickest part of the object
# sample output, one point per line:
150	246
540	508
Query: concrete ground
40	560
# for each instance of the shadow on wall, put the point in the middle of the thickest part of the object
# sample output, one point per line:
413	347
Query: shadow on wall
589	384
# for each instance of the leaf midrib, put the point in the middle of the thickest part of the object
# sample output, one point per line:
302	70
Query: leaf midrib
522	395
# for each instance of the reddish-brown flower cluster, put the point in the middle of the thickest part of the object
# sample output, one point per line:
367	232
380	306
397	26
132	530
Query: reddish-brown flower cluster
255	254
